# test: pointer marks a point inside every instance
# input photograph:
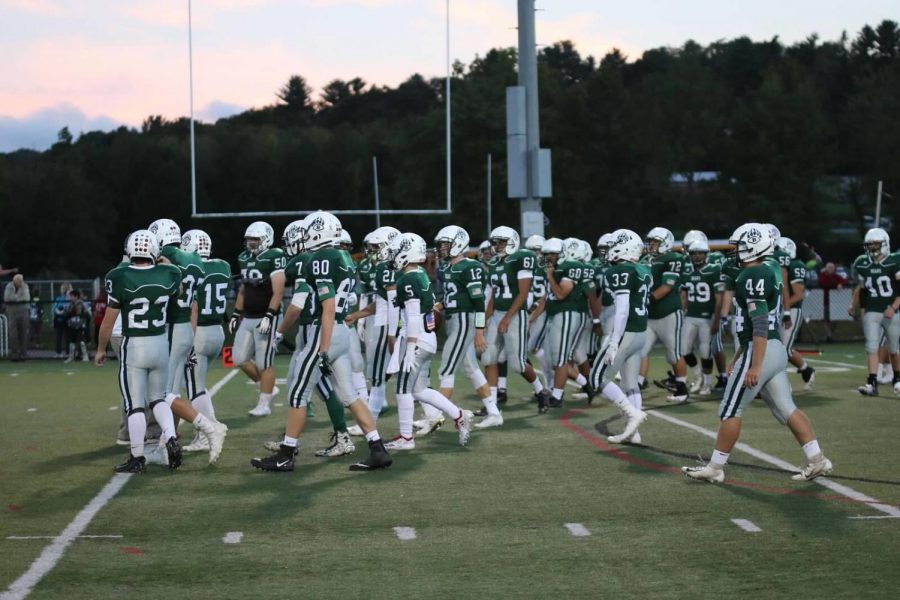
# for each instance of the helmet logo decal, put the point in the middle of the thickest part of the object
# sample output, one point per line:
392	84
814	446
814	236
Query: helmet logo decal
754	236
318	224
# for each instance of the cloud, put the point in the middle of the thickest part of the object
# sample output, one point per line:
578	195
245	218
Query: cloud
37	131
46	8
217	109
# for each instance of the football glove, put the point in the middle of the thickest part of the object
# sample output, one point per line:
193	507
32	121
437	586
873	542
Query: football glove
265	324
191	359
235	321
409	358
324	364
277	336
612	349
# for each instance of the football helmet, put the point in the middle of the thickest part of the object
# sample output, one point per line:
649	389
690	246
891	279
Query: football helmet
877	243
787	246
258	237
751	241
552	250
346	241
410	249
587	253
699	253
692	236
292	238
197	240
663	238
142	244
626	246
321	229
535	243
508	237
166	231
603	245
379	240
571	249
451	241
774	232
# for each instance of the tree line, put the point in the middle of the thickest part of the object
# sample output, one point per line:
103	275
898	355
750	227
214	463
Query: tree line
798	134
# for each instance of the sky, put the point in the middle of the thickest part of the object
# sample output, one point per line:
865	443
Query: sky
99	64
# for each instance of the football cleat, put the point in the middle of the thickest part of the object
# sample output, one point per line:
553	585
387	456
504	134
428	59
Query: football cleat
868	389
635	418
695	386
275	446
174	452
705	473
481	412
262	409
501	396
809	377
341	444
721	382
644	385
635	439
813	470
355	430
200	443
679	393
897	387
464	426
378	458
134	464
555	403
283	461
705	391
429	426
156	455
490	421
401	443
589	391
216	437
542	399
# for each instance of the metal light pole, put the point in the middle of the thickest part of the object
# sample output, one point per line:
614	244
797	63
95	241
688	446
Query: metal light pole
191	85
530	209
447	109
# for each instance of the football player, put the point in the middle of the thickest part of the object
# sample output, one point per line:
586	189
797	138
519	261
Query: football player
589	310
877	272
794	310
629	281
256	308
356	357
415	297
759	366
701	290
511	274
329	278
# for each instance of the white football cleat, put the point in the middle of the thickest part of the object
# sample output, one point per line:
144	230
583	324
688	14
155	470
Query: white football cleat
636	438
198	444
635	418
695	386
156	455
464	426
341	444
490	421
868	390
705	391
262	409
355	430
897	388
401	443
430	426
813	470
216	436
705	473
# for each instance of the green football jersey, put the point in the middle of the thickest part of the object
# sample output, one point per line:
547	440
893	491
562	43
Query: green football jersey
212	293
385	277
782	258
144	295
636	280
539	283
757	291
797	275
415	285
256	275
666	270
575	300
588	284
294	276
463	287
716	257
504	275
606	298
191	266
365	272
701	286
330	272
877	280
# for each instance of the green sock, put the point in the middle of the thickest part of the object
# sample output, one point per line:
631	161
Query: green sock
309	409
336	413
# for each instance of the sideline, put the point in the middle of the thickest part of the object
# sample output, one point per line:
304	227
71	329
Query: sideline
51	555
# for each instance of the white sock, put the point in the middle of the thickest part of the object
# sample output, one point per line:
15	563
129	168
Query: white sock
438	401
203	405
804	366
635	399
581	379
501	383
707	379
494	393
718	459
681	379
697	371
362	390
490	405
431	413
376	400
373	436
614	394
537	385
265	398
812	451
137	429
641	380
163	414
405	408
557	393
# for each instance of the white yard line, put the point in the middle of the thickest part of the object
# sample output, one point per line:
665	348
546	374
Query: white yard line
774	460
875	517
52	554
837	364
51	537
748	526
233	537
405	533
577	529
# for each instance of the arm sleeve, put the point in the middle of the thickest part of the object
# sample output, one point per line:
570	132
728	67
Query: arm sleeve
413	318
620	319
393	313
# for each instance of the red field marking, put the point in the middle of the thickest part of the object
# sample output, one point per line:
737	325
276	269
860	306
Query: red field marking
131	550
14	507
622	455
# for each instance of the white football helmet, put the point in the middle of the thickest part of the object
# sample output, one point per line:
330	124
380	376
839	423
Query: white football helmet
552	246
321	229
751	241
258	237
787	246
504	234
664	238
535	243
571	249
410	249
692	236
166	231
627	246
587	253
292	238
877	243
346	240
603	245
774	232
197	240
451	241
142	244
699	253
379	240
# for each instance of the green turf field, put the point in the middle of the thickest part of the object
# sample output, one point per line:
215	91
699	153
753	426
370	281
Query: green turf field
490	520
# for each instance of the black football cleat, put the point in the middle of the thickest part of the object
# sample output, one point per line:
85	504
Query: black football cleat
481	412
282	461
134	464
721	382
589	390
378	458
501	396
173	449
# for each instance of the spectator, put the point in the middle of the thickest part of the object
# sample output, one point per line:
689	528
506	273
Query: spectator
75	328
87	314
36	317
17	299
830	279
99	309
60	308
12	271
